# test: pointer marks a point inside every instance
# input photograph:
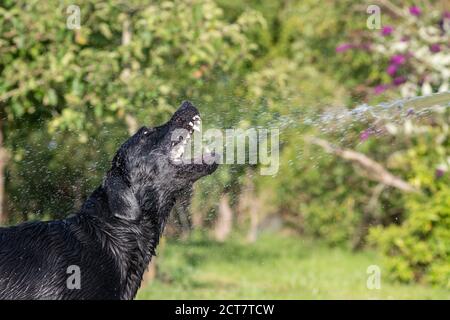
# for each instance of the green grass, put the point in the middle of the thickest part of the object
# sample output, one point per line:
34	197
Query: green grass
275	267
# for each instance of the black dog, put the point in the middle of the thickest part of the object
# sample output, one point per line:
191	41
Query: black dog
111	241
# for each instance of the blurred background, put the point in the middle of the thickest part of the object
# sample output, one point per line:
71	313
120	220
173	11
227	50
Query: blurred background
363	185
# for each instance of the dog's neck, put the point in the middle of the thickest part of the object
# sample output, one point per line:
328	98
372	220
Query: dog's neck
129	233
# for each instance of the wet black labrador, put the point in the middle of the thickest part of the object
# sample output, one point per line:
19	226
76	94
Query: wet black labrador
103	251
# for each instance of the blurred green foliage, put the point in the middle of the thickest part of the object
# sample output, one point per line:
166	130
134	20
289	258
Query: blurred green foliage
419	248
68	98
63	91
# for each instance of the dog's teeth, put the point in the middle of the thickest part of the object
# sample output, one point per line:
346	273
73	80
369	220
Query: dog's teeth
196	128
191	124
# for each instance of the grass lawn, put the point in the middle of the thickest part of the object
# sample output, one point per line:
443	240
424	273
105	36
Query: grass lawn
276	267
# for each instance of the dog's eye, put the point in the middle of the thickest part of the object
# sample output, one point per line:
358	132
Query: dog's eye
147	131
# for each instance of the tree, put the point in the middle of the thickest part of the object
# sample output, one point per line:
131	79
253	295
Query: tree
127	63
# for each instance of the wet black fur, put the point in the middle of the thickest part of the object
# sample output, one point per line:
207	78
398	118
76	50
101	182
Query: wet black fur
113	237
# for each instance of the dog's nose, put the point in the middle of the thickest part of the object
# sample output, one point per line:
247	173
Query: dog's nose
186	105
185	113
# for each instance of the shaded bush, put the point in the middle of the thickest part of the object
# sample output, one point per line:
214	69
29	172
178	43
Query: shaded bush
419	248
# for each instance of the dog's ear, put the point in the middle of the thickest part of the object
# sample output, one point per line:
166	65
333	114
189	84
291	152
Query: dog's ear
121	199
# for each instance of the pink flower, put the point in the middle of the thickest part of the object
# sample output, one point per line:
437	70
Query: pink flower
435	47
399	80
344	47
365	135
415	11
446	15
379	89
439	173
387	30
398	59
392	70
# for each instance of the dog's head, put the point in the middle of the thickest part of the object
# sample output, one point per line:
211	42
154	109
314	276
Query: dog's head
149	166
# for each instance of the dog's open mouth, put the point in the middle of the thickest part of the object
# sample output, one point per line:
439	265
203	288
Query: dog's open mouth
188	124
182	139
